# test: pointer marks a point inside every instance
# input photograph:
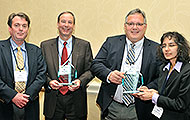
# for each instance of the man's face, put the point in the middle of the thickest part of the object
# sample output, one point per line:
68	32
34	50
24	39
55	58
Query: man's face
135	27
66	26
19	29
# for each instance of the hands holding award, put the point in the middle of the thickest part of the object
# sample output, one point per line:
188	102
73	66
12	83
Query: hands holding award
132	80
54	84
67	76
145	93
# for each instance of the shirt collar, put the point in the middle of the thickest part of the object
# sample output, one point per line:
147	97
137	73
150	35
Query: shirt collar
14	45
138	44
69	41
177	66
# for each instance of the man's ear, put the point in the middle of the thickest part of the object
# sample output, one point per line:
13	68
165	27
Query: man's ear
10	29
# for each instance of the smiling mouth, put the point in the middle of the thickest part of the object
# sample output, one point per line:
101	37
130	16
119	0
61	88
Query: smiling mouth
134	32
66	30
20	34
167	54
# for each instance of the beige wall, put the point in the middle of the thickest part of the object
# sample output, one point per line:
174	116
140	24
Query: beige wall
97	19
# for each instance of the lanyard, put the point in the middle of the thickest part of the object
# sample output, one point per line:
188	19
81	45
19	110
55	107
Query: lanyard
67	61
137	56
69	54
17	61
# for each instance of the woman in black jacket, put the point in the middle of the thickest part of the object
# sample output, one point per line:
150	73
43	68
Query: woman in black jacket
171	91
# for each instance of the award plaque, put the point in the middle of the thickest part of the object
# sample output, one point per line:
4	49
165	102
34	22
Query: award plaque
66	74
133	79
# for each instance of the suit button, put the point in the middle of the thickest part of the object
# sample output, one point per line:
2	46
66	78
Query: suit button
111	96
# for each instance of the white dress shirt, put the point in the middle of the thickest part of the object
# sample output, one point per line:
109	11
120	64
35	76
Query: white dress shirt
138	48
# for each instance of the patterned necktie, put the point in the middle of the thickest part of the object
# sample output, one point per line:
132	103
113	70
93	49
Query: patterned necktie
64	78
20	85
128	82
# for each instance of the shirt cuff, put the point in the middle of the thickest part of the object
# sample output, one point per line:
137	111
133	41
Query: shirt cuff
155	98
108	77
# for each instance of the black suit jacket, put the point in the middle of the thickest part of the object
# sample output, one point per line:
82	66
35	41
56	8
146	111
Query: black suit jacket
175	96
36	79
109	58
81	60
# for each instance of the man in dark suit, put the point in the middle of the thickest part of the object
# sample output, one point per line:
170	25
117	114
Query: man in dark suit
73	104
110	64
20	102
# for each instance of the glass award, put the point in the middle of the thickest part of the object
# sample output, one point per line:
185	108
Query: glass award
133	79
66	74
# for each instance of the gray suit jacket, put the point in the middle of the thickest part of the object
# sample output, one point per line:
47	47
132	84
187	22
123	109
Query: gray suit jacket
81	59
36	79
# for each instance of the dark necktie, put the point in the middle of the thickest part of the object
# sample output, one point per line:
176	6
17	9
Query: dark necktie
128	82
64	78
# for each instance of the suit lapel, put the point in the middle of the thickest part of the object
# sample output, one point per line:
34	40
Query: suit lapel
55	54
7	55
120	53
31	60
75	48
146	55
172	77
161	80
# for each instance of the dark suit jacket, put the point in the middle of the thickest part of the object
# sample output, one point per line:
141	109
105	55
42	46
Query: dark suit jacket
36	79
81	59
175	97
109	58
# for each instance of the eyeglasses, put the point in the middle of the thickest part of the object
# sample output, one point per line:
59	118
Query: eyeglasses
131	24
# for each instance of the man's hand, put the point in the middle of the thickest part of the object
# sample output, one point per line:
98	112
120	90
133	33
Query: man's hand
75	86
116	77
54	84
20	100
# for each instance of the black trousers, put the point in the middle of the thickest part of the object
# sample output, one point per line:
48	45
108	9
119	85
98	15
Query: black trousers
65	108
18	113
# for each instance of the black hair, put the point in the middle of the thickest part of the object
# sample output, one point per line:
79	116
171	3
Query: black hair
58	18
183	51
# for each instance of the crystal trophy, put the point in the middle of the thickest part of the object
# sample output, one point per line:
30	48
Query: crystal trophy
133	79
66	74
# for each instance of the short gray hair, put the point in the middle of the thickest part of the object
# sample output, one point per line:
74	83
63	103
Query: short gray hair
137	10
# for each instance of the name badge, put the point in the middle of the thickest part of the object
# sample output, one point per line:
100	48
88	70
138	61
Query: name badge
20	76
157	111
64	70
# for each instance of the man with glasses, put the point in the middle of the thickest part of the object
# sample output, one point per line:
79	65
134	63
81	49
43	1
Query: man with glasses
117	54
